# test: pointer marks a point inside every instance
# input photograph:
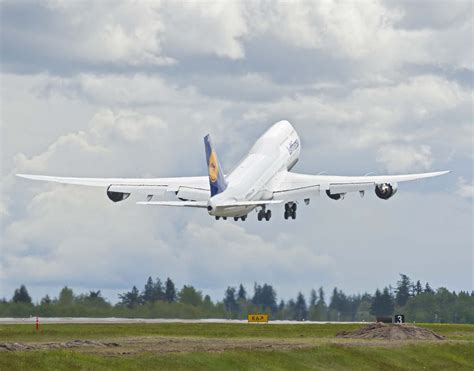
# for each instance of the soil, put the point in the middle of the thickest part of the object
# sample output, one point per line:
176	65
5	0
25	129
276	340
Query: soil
55	345
385	331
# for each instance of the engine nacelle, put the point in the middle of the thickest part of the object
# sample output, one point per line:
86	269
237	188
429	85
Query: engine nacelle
335	196
117	196
386	190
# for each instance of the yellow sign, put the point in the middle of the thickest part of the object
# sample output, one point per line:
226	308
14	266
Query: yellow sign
261	318
213	167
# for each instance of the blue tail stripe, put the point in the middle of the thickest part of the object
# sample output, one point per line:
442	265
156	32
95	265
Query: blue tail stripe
217	180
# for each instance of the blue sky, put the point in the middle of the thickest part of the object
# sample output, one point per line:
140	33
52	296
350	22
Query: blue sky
129	89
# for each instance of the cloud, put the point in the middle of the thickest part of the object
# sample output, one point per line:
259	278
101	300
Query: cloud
129	89
465	189
402	158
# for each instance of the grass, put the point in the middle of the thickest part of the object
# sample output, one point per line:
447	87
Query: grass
323	351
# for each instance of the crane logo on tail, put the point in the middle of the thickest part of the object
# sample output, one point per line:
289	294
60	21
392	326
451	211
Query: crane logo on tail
213	167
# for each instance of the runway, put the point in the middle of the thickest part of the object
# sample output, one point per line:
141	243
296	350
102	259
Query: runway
114	320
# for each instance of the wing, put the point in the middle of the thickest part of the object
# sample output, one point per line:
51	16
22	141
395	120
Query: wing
294	186
118	189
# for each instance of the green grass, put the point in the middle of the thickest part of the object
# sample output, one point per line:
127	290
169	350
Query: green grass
324	352
52	332
424	356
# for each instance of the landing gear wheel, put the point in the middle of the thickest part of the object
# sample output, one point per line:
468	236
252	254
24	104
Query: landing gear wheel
293	215
224	217
243	218
217	217
236	218
287	215
260	216
268	215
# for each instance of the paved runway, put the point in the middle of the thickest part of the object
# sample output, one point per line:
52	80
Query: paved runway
84	320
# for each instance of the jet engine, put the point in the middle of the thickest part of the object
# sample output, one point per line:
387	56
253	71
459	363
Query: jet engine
386	190
117	196
335	196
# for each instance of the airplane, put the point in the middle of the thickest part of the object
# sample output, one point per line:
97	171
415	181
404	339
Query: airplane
262	178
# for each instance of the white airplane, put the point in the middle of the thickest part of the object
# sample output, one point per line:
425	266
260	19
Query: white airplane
262	178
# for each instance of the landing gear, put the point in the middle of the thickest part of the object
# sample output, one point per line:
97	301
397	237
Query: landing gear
290	211
262	214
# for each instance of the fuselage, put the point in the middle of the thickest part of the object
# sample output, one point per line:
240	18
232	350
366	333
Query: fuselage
276	151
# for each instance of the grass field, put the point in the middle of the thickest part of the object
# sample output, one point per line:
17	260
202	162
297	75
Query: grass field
232	346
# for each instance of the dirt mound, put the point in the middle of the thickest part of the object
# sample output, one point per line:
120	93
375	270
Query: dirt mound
381	330
69	344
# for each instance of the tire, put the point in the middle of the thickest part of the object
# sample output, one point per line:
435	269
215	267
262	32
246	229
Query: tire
268	215
293	215
259	216
286	215
224	217
236	218
293	208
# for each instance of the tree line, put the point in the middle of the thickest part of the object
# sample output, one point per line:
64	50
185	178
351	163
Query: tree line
418	302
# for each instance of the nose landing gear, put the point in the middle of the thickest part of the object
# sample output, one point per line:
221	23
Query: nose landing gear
290	211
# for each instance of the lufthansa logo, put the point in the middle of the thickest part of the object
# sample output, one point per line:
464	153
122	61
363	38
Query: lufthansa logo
213	167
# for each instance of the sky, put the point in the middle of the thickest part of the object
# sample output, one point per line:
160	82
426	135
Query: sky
129	89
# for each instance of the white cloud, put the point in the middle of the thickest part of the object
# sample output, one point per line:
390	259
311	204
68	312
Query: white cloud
370	87
403	158
465	189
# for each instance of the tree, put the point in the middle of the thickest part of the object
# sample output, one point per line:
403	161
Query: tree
428	289
131	299
418	288
230	302
321	296
149	291
170	291
313	297
159	291
301	311
382	303
403	290
242	294
66	297
265	297
189	295
46	300
21	295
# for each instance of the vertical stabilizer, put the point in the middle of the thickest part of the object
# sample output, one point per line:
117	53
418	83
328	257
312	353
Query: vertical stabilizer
217	180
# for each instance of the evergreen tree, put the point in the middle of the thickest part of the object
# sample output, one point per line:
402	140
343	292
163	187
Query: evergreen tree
242	294
21	295
159	291
403	290
66	297
301	311
265	297
418	288
230	302
170	291
189	295
313	297
428	289
46	300
131	299
281	306
321	296
382	303
148	294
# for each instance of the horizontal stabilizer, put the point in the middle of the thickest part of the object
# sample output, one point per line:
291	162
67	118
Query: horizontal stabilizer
248	203
202	204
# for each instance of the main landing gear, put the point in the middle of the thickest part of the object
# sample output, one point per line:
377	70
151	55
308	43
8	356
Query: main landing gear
262	214
290	211
236	218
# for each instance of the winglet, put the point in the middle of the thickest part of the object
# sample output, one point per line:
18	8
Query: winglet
217	180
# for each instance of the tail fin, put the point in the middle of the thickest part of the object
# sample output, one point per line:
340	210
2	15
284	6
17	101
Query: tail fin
217	181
